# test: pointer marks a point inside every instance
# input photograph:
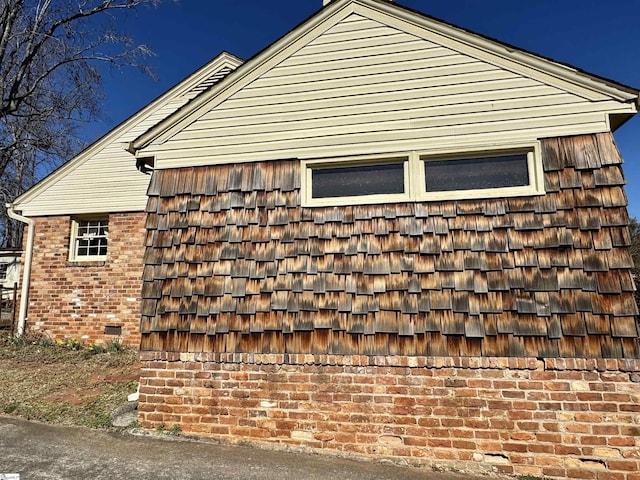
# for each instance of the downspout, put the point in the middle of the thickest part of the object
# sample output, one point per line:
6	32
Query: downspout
26	274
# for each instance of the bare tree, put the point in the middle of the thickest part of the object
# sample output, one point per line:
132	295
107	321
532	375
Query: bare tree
50	51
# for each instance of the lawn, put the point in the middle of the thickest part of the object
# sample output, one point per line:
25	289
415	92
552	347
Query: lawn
66	383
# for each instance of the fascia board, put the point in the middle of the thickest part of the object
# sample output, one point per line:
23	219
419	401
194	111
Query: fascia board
221	61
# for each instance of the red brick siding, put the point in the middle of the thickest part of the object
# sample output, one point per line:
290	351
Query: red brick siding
575	418
78	299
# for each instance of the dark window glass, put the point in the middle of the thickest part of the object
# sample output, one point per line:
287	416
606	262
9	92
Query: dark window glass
4	267
476	173
357	180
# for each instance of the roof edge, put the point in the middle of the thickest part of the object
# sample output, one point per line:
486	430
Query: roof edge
535	61
166	125
545	64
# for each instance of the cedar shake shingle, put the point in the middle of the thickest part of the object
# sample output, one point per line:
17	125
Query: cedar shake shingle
234	264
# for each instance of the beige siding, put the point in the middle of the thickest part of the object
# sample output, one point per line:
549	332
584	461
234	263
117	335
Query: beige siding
366	87
108	181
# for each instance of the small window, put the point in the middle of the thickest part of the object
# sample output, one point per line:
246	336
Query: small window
376	180
89	239
4	268
383	179
493	173
476	173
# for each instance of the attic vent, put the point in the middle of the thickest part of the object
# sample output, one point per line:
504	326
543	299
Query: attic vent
113	330
327	2
209	82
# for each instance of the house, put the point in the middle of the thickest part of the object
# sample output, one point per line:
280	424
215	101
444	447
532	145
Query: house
381	236
9	280
9	269
88	232
388	236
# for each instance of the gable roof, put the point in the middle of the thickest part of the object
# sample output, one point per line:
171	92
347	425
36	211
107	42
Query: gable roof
193	85
551	72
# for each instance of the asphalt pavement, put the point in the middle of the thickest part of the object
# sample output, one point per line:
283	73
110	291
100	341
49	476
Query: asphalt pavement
39	451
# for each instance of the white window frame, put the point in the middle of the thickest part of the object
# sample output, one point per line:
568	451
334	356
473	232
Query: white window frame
73	248
414	173
534	165
4	271
308	166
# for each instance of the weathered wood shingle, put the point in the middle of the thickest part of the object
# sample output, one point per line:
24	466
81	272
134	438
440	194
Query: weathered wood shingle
233	263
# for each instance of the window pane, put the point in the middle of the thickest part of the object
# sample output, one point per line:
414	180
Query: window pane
476	173
4	267
92	238
358	180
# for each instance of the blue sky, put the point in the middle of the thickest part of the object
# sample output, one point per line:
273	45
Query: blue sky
600	37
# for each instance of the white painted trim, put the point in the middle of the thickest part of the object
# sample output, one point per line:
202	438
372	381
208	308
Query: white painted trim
534	165
307	167
73	254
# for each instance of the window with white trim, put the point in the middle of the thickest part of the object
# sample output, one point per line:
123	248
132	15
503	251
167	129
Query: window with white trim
89	239
4	268
362	180
423	176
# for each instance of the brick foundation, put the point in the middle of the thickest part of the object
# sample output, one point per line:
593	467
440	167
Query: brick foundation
575	418
79	299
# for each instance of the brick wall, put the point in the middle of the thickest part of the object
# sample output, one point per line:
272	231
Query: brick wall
576	418
79	299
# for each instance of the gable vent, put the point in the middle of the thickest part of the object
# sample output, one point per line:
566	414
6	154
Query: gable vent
209	82
327	2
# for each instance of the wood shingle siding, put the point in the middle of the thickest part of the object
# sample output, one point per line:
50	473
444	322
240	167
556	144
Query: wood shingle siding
234	264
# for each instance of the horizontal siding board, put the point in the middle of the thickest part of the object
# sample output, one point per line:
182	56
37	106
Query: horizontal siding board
207	156
392	132
390	40
371	80
414	98
409	108
384	118
338	37
364	86
359	113
402	45
91	188
371	64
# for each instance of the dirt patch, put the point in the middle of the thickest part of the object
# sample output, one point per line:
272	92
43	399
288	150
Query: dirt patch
43	381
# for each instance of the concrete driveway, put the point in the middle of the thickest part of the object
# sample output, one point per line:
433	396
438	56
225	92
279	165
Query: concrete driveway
39	451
